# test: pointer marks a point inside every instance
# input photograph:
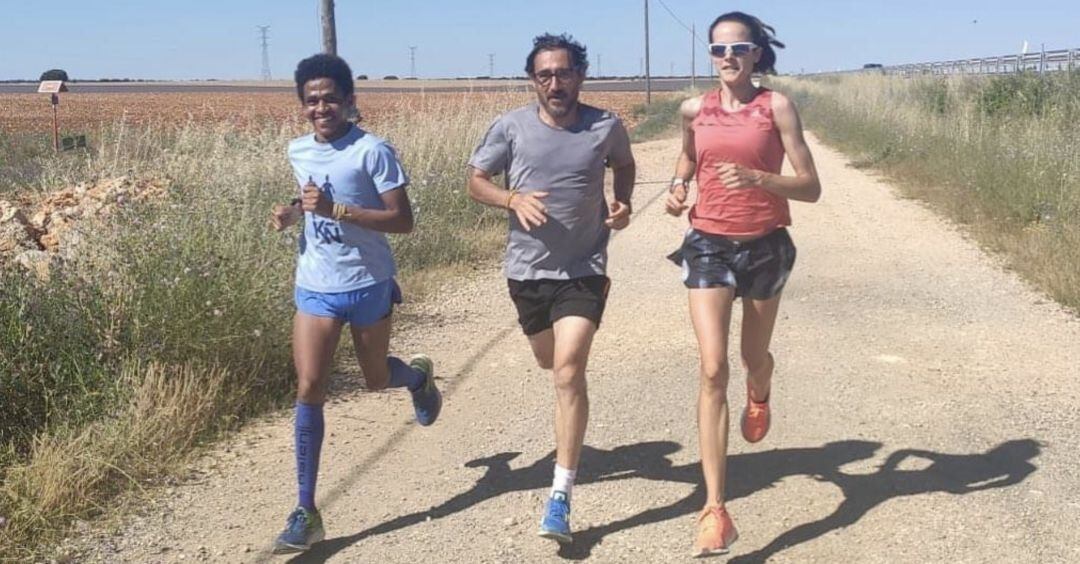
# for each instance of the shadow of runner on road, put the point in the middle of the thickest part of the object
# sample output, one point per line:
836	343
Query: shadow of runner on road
1004	465
747	473
597	466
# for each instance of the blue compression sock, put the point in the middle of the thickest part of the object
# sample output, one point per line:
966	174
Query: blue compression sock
402	374
309	436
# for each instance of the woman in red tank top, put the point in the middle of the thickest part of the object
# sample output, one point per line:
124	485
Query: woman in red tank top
734	141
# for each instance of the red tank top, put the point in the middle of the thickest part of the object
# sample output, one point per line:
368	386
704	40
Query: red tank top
747	136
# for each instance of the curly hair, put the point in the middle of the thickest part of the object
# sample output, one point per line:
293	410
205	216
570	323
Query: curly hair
324	66
549	42
763	35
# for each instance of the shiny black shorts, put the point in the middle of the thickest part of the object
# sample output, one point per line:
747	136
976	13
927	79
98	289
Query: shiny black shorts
757	269
540	303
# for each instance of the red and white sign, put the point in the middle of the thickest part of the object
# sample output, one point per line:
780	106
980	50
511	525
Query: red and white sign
52	87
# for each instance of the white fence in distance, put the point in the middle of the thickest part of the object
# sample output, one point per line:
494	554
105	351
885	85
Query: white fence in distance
1041	62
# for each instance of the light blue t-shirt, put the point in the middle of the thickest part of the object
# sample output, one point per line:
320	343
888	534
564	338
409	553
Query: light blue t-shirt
354	170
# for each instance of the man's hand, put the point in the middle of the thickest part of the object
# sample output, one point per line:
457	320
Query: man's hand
530	211
737	176
315	201
619	217
282	216
676	200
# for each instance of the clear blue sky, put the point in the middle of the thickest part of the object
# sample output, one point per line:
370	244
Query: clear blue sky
217	39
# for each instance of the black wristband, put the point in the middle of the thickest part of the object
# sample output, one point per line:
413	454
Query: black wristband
295	202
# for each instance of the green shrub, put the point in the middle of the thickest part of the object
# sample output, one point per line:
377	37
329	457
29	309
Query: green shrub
56	364
932	95
1020	95
659	118
54	74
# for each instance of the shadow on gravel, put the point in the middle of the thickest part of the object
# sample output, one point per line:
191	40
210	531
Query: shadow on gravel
1004	465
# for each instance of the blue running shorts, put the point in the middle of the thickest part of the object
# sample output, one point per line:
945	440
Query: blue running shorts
359	308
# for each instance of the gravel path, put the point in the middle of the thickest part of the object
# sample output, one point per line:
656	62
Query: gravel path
925	409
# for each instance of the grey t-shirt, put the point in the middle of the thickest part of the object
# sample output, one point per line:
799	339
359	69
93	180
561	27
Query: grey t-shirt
568	164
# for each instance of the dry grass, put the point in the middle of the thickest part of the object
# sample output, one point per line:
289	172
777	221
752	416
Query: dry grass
74	473
1000	155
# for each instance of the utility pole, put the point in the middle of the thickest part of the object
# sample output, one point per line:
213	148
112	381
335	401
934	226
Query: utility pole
263	30
491	65
329	30
693	56
648	78
599	65
412	61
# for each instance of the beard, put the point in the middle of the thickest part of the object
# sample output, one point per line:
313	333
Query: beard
562	107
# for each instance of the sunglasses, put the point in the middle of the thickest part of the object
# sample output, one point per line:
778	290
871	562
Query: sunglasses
545	77
737	49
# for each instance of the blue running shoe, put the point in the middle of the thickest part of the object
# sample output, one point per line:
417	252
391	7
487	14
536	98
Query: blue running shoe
427	401
556	522
303	529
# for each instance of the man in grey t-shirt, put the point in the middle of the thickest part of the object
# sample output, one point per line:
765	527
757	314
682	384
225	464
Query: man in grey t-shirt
554	153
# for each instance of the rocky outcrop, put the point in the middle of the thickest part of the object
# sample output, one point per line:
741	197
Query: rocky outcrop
32	234
16	232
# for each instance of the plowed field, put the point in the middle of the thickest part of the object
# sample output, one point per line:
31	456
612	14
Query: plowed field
85	113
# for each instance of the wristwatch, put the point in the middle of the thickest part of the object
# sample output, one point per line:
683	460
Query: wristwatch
677	182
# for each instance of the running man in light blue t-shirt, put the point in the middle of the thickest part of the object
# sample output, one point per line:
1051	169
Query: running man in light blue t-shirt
352	192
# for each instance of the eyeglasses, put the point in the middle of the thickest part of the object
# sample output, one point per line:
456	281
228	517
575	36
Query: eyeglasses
737	49
545	77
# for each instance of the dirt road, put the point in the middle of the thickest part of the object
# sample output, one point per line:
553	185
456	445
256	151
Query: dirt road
925	410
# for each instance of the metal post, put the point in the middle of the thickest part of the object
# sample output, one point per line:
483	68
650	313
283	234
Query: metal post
648	77
329	30
55	123
1042	59
693	56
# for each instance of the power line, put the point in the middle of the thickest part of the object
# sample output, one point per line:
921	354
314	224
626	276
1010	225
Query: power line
693	37
263	31
680	22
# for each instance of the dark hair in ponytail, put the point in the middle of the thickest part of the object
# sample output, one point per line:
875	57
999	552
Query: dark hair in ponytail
761	34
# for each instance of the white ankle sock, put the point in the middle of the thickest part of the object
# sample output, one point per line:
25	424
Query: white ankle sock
564	480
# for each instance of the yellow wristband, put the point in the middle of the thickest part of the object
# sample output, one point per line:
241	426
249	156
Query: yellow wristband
340	211
510	197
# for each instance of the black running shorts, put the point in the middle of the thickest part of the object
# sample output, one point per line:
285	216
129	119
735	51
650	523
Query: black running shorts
540	303
757	269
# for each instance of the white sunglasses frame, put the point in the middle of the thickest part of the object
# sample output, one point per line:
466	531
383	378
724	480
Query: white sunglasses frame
729	47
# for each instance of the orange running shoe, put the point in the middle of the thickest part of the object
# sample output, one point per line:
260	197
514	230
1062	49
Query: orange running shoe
754	423
716	532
